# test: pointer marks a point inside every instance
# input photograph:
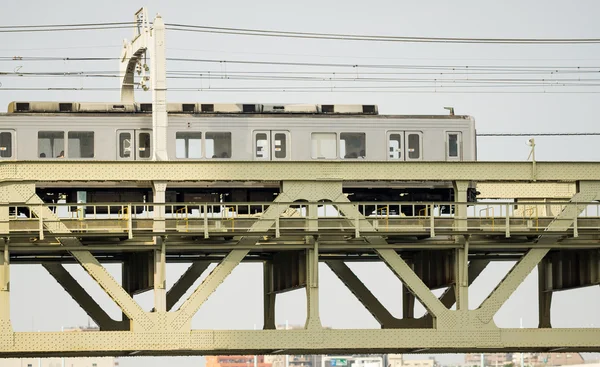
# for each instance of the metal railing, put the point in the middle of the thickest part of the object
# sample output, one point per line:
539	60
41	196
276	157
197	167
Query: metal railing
212	219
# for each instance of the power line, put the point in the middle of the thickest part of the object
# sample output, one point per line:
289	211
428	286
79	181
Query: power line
394	66
537	134
378	38
64	27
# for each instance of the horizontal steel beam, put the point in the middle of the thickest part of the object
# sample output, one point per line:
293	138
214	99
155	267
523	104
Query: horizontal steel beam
319	341
297	171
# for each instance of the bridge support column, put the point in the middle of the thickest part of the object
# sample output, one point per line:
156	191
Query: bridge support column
544	294
5	324
313	320
408	303
269	296
460	210
461	284
160	282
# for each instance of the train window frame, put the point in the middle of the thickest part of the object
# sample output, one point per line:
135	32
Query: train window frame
457	156
399	150
279	145
143	147
262	151
11	148
315	150
360	152
409	144
68	145
188	136
53	135
122	149
222	153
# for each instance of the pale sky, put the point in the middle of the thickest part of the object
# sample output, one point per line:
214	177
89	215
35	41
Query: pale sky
237	304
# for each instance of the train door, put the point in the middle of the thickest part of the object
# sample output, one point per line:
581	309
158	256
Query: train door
134	145
271	145
405	145
414	145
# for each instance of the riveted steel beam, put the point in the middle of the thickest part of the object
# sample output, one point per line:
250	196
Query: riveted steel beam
50	171
83	299
588	191
184	282
26	194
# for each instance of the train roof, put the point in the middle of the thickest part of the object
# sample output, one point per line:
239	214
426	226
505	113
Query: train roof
211	109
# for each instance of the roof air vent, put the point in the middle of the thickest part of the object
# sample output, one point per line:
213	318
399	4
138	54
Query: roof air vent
249	108
327	108
188	107
207	108
368	108
146	107
65	107
22	107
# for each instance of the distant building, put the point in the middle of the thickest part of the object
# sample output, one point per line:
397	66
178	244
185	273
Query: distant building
548	359
529	359
491	359
236	361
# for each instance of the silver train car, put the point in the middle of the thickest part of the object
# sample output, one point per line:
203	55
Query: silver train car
240	132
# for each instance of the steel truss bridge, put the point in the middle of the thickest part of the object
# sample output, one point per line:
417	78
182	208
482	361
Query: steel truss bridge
552	223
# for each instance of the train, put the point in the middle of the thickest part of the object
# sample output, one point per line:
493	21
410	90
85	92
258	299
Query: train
33	131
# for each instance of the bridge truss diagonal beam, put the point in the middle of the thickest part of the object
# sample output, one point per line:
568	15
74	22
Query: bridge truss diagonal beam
588	191
82	297
408	277
184	283
189	308
362	293
26	194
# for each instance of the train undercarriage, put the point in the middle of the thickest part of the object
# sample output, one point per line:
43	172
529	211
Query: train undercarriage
223	197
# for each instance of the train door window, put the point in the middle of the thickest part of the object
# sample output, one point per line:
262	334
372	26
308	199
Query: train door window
143	145
125	146
51	144
324	145
352	145
188	144
413	145
280	145
81	144
6	143
396	145
262	145
218	145
453	145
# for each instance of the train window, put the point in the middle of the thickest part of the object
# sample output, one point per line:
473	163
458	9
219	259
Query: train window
218	145
5	144
324	145
144	145
280	145
81	144
125	145
188	145
262	145
51	144
453	145
413	145
395	146
352	145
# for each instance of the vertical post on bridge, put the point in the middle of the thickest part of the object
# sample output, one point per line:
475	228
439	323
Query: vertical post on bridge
159	225
152	41
5	324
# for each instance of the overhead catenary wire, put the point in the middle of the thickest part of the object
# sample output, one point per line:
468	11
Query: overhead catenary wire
377	38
